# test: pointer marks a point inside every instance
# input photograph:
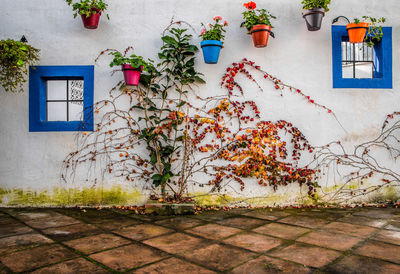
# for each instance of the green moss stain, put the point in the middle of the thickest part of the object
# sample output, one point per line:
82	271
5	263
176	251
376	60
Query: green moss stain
385	194
67	197
203	199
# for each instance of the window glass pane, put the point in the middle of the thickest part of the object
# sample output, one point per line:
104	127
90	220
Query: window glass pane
347	70
56	111
75	111
364	70
75	89
357	60
56	90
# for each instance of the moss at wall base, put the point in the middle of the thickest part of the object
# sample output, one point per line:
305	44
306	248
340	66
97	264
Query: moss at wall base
70	197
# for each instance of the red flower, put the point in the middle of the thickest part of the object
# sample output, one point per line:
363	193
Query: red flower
217	17
250	5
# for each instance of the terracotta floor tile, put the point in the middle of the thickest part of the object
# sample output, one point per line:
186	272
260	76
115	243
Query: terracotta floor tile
5	220
29	215
304	221
180	222
36	257
89	215
356	264
127	257
218	256
389	236
241	222
71	267
96	243
254	242
376	213
143	231
266	264
71	232
267	214
322	214
13	243
393	226
282	231
330	240
173	265
176	243
214	216
360	220
56	221
306	255
214	231
350	229
118	223
380	250
13	229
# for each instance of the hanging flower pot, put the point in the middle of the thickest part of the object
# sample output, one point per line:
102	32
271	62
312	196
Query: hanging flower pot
211	50
131	74
313	18
89	10
258	24
212	40
91	22
260	34
357	32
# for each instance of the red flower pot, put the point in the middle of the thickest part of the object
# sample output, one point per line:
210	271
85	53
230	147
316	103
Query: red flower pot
260	34
91	22
131	74
357	31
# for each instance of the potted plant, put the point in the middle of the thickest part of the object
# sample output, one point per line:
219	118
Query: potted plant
90	11
15	57
367	29
212	40
132	66
313	12
258	24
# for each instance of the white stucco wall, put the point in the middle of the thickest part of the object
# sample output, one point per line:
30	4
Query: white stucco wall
298	57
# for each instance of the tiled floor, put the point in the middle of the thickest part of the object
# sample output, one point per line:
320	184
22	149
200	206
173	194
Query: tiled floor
359	240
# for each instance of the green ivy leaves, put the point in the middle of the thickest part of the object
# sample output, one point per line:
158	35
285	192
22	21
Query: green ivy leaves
87	7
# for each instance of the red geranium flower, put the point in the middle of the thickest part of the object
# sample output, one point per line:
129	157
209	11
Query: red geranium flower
250	5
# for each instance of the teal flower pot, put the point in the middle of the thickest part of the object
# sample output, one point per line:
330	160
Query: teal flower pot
211	50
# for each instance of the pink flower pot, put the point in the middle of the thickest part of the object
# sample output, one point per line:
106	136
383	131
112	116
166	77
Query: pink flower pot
131	74
92	21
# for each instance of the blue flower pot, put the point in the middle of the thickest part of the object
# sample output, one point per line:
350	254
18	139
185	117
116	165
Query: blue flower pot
211	49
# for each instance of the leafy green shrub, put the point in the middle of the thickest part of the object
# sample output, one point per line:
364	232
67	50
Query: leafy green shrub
87	7
216	31
254	17
375	32
15	57
321	4
134	60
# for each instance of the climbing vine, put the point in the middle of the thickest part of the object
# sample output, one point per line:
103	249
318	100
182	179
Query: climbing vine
375	160
164	136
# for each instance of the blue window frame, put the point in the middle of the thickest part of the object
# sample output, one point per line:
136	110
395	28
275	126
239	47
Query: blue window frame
382	61
40	78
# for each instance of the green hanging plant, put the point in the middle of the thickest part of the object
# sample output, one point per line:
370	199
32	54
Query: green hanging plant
15	58
321	4
87	7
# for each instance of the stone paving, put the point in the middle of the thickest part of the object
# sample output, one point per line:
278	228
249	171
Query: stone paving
352	240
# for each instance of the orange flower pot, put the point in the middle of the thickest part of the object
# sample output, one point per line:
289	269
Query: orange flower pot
260	34
357	32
